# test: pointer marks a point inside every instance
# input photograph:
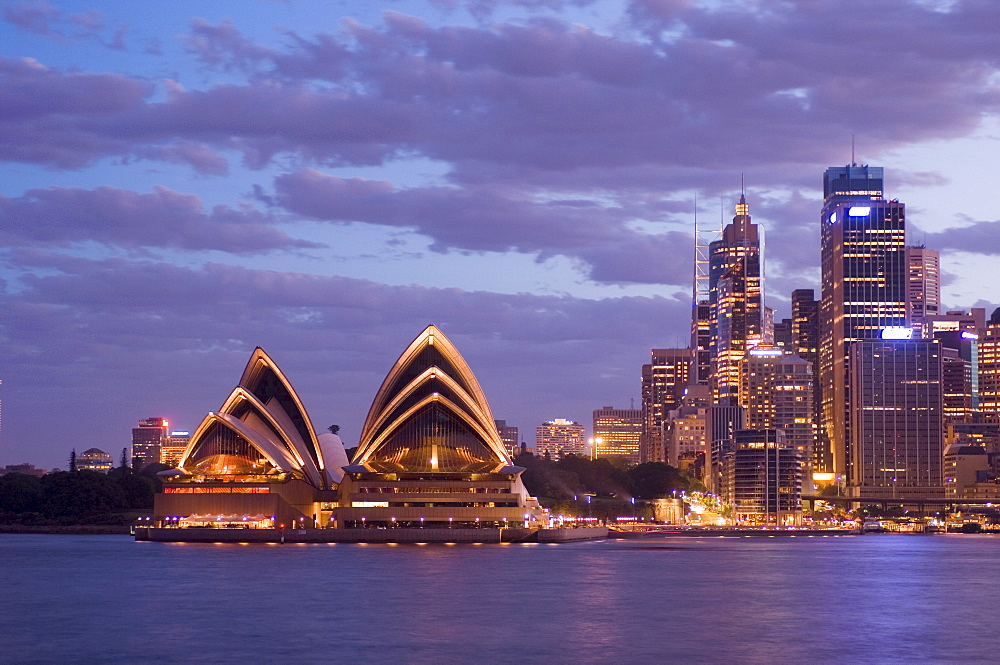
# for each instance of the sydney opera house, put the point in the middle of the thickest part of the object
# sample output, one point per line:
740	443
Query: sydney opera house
429	457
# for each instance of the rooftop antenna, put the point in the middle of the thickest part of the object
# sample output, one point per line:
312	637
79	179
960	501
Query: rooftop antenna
853	161
743	189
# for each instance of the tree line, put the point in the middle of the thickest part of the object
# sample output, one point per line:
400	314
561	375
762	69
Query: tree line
77	497
599	488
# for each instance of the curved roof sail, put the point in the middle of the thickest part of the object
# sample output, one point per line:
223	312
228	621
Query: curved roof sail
263	379
430	415
262	428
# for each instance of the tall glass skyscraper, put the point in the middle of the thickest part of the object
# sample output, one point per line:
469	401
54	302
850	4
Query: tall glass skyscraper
736	297
864	282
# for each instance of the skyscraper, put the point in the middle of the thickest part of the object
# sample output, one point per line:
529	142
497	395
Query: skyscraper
897	424
736	298
864	281
780	390
147	439
923	288
989	370
663	382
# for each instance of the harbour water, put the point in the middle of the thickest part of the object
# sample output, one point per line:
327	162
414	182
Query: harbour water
847	599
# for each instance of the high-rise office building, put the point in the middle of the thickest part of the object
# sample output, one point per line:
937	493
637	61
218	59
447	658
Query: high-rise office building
560	437
805	325
783	338
722	421
780	393
617	433
736	298
805	335
147	440
989	370
897	420
923	288
762	478
172	451
958	375
664	380
864	281
510	436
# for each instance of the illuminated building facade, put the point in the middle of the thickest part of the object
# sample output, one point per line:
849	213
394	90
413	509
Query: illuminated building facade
510	436
148	438
617	433
864	282
923	288
172	451
762	478
664	381
805	340
557	438
989	370
429	453
780	389
959	375
94	459
736	298
897	420
687	428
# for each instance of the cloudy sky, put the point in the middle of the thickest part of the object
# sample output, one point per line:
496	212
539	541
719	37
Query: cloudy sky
183	181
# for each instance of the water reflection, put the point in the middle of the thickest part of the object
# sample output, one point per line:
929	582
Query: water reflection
85	599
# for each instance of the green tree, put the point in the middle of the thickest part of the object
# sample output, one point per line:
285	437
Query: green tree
655	480
72	495
20	493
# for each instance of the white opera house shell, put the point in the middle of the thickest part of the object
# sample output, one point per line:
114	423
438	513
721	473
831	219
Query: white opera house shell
429	456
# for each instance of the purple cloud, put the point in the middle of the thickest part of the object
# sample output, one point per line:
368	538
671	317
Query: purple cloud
493	219
191	331
162	218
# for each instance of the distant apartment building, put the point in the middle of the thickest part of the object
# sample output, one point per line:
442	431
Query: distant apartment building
557	438
617	433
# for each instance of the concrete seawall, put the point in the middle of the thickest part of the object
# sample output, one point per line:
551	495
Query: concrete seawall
518	535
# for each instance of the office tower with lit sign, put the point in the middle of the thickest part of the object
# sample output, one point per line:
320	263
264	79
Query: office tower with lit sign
664	380
617	434
172	451
148	438
864	291
897	419
736	299
779	390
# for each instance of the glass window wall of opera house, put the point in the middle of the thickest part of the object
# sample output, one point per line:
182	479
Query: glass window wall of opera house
429	456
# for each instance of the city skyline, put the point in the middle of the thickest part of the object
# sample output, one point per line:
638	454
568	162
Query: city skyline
185	185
